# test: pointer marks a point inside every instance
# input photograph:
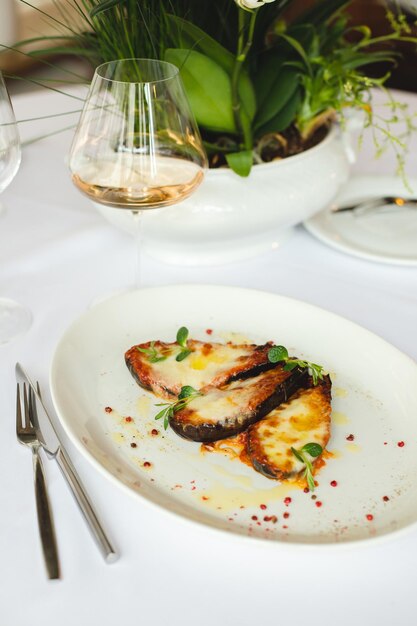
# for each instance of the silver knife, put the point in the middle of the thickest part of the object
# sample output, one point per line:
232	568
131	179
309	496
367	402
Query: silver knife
51	443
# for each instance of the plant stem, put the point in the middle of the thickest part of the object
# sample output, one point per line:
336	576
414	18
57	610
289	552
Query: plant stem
384	39
216	148
242	53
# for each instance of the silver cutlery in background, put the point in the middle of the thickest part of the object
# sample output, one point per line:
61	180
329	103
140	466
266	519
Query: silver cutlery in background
26	434
51	443
376	204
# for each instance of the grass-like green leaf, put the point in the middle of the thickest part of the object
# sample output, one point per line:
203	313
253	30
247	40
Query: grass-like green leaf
104	6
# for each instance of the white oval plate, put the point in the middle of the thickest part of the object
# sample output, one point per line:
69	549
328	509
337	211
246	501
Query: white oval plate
381	236
375	400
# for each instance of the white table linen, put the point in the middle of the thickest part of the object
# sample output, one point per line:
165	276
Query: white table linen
57	255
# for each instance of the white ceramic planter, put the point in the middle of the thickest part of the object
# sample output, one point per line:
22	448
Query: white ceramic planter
231	218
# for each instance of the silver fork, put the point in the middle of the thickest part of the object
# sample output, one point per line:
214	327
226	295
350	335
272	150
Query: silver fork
26	435
373	204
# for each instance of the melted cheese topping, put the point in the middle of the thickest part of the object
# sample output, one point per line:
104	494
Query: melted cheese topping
221	405
305	419
198	369
234	402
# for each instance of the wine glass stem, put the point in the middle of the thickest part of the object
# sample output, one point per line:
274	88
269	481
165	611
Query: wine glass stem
138	222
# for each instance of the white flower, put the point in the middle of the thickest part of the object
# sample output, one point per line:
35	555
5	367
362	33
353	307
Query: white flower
249	5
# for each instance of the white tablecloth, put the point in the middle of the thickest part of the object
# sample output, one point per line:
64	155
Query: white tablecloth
57	255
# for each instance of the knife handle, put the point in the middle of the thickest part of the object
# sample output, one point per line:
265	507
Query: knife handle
45	522
83	501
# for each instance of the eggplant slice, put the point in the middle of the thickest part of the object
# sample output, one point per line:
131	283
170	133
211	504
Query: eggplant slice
208	364
304	419
221	412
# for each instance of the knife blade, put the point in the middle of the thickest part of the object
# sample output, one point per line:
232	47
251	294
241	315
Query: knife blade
54	448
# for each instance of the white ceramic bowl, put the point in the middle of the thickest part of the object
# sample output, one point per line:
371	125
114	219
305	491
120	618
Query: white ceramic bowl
230	218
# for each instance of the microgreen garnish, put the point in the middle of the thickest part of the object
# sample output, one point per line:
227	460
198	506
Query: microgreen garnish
314	450
280	353
182	336
186	394
187	391
152	353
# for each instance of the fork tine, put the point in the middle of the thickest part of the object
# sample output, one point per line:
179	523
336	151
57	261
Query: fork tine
30	406
19	423
26	405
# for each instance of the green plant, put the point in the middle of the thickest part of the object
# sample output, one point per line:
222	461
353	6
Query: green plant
260	86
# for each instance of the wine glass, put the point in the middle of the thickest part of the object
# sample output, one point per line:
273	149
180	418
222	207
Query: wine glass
137	145
14	318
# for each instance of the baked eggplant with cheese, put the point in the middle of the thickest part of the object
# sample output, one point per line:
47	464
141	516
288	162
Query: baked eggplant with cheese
304	419
226	410
154	366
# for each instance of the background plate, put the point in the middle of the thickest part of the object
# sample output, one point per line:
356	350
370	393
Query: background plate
367	488
384	236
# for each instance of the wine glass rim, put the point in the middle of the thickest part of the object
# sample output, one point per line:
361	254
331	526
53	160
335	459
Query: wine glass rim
174	68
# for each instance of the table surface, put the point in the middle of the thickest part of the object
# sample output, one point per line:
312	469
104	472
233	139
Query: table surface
56	255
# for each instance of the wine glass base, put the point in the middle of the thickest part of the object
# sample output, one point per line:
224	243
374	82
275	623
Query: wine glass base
15	320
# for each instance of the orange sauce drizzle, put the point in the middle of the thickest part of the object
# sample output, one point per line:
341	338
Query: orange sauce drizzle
235	448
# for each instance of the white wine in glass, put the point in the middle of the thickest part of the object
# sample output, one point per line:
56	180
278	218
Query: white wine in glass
15	319
137	145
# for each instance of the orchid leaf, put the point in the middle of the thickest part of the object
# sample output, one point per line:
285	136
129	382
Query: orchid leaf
208	88
194	38
240	162
281	92
269	67
283	119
